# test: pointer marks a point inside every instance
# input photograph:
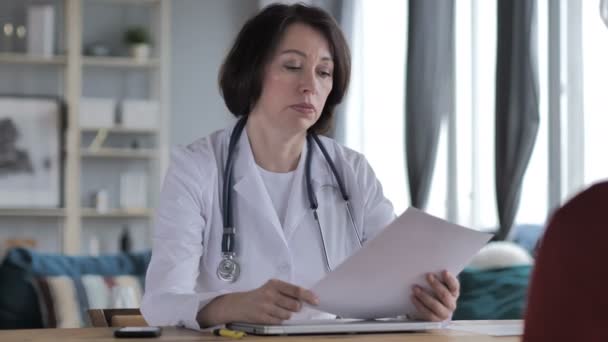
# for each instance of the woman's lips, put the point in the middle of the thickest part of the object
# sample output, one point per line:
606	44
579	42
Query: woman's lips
304	108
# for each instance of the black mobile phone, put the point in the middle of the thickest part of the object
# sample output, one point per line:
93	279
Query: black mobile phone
137	332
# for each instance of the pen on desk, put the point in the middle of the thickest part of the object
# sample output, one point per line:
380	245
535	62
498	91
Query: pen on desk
228	333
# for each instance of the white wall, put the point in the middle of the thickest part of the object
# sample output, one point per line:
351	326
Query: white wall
202	32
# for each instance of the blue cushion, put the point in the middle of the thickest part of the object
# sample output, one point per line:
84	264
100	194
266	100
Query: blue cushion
19	306
493	294
527	236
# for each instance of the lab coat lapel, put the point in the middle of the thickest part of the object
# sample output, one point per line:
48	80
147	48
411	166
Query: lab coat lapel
250	187
299	203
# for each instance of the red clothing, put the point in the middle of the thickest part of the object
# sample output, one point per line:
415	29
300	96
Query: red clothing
568	296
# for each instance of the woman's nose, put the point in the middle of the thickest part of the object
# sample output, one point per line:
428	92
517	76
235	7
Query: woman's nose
308	83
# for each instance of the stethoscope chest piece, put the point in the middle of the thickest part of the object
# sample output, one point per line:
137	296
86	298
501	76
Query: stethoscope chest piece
228	270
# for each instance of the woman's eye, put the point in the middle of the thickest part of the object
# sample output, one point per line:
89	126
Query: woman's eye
292	67
325	73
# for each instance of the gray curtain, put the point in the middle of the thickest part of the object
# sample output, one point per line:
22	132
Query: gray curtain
604	11
347	22
517	115
429	89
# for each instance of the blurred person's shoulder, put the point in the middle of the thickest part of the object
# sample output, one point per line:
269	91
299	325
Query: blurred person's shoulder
589	201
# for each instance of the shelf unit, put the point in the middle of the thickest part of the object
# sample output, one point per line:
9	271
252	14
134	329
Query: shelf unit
120	130
119	153
21	58
120	62
129	2
32	212
117	213
74	64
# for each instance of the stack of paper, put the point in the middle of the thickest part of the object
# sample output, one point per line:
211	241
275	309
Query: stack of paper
377	280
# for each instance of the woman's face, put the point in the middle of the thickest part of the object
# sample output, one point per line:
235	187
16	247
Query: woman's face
297	81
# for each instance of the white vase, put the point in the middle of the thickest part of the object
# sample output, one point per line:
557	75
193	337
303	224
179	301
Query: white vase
141	52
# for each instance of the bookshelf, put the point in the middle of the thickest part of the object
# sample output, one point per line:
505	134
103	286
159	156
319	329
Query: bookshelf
122	153
76	70
20	58
120	62
32	212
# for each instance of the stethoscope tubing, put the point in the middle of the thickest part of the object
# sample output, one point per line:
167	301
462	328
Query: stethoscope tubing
229	231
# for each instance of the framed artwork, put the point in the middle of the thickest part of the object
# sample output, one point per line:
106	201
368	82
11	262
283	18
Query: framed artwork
31	136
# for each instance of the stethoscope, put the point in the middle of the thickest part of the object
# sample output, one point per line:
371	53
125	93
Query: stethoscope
229	269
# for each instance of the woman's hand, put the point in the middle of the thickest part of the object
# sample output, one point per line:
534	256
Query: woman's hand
271	303
440	303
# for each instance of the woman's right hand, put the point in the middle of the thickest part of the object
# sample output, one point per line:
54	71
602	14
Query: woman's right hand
272	303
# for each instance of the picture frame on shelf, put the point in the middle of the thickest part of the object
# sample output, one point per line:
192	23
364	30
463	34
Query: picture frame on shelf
31	140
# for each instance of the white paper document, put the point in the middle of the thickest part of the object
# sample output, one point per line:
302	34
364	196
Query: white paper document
377	280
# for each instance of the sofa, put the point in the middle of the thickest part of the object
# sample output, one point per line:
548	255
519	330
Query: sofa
499	292
28	278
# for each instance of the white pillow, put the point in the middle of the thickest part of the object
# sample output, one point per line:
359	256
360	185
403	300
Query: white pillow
501	254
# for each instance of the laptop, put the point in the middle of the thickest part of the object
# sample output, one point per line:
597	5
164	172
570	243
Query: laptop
335	326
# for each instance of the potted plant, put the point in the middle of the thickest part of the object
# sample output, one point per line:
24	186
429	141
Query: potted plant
138	41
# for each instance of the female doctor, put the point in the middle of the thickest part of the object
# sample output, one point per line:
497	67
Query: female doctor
253	215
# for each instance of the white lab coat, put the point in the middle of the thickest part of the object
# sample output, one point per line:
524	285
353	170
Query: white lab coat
186	250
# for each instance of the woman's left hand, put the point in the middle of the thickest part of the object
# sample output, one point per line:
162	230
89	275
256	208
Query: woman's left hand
439	303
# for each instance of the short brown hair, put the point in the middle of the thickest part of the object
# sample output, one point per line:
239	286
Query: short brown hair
241	74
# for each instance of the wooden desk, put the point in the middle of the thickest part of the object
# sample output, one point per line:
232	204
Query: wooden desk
178	334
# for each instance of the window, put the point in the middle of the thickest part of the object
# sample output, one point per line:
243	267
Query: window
595	99
475	28
465	161
375	105
533	206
